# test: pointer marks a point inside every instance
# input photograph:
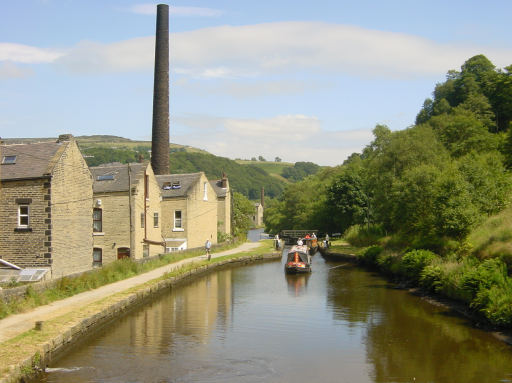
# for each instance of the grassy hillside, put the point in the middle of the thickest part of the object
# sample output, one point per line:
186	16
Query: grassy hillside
245	179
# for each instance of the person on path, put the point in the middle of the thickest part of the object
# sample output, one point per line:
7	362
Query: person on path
208	246
276	238
327	240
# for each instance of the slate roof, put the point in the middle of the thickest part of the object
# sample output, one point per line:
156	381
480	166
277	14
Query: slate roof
219	190
186	181
34	160
119	171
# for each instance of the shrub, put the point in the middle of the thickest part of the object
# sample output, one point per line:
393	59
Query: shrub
431	278
388	263
359	235
369	257
413	263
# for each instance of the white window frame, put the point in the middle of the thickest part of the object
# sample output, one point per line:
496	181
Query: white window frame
96	209
94	262
8	160
205	196
180	220
20	215
155	219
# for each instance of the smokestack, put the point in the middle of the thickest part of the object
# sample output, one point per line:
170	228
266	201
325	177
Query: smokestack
263	197
160	133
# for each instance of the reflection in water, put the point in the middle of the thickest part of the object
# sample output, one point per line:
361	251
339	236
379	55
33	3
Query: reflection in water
408	338
251	324
297	283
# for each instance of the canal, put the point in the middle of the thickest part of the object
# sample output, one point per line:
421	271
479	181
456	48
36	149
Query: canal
255	324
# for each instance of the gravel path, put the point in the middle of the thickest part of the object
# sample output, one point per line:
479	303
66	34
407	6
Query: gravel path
17	324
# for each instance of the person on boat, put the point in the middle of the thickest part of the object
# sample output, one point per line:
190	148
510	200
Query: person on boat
313	236
307	236
299	242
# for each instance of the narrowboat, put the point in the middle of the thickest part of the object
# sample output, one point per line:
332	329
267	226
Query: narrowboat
298	260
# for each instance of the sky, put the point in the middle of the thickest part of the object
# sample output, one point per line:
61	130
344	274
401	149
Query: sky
298	80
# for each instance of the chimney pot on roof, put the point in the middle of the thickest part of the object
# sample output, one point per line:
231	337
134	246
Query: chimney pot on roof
64	137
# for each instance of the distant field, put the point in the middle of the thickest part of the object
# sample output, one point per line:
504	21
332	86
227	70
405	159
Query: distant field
272	168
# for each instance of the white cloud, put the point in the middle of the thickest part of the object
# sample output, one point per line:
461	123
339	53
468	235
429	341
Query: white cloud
150	9
10	70
291	137
283	47
26	54
241	89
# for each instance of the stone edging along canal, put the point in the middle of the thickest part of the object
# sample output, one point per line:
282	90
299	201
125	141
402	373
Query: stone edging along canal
77	329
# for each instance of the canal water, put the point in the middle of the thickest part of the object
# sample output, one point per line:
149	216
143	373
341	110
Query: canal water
256	324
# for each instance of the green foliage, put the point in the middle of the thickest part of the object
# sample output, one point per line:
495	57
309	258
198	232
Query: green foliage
367	235
431	278
462	132
243	209
245	179
300	171
413	263
369	257
95	156
347	201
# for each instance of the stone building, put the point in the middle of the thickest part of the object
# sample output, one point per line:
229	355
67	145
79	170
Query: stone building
189	210
257	217
45	207
126	212
223	192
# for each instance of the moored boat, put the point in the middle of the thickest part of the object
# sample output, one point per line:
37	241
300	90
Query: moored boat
298	260
312	244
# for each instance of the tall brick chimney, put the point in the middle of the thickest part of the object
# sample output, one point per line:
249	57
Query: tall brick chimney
160	133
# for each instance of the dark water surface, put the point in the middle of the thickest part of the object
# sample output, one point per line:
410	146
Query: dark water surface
255	324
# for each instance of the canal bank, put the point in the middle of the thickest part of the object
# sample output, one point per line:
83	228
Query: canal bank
25	352
257	324
342	254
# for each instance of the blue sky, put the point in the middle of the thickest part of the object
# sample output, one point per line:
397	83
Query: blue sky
305	81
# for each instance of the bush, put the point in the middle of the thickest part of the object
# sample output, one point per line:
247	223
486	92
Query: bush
431	278
369	257
359	235
388	263
413	263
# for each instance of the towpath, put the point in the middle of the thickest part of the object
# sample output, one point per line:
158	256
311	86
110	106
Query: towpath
19	323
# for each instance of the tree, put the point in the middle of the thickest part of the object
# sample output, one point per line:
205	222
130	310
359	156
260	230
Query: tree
260	158
243	210
277	159
347	201
462	132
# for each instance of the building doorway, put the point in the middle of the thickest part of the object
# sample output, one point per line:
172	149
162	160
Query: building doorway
123	252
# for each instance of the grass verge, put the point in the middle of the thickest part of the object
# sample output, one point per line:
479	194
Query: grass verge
112	272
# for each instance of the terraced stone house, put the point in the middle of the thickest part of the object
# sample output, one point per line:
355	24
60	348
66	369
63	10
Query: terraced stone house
223	192
45	207
189	210
127	219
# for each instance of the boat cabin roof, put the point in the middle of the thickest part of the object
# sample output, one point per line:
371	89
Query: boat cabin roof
302	256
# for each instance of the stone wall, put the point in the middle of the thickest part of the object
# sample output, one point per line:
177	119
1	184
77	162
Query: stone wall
71	213
26	247
148	208
115	224
201	222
